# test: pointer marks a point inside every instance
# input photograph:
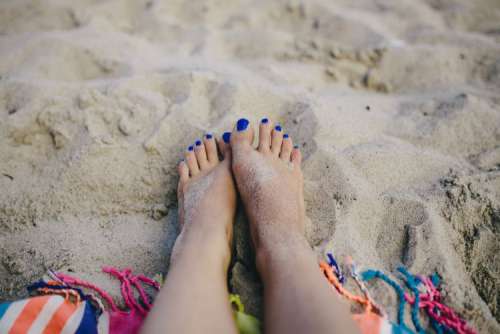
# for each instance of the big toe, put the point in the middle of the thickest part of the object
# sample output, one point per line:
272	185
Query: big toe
242	135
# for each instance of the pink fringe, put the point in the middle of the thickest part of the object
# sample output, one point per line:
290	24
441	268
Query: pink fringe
128	282
438	311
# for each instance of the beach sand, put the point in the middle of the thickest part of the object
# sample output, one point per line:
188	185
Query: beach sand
395	104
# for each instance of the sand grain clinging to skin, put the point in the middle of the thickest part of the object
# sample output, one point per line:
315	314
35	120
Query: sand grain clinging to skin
197	190
394	104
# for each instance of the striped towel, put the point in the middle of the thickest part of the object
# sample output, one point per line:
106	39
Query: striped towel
51	314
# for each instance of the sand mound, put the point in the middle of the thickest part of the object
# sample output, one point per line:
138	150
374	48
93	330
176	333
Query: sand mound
395	104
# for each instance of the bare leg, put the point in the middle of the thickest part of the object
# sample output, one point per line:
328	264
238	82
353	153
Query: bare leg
195	297
297	297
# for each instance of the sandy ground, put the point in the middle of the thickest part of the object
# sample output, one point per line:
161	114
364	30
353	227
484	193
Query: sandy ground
396	105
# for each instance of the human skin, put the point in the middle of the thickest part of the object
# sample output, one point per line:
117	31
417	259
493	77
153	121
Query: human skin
194	299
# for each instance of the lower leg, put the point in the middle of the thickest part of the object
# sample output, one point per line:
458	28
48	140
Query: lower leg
195	297
298	298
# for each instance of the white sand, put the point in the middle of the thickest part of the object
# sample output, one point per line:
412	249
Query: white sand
396	105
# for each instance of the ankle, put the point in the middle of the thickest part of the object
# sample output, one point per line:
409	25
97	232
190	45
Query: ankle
282	251
201	245
270	236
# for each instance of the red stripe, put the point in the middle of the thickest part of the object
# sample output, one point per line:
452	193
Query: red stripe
60	317
28	314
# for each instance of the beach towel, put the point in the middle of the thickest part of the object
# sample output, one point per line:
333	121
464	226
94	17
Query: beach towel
61	306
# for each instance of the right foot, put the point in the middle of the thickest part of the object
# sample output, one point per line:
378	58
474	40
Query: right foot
297	297
270	183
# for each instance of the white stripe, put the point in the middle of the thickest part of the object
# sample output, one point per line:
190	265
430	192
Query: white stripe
74	321
103	323
385	326
11	315
45	314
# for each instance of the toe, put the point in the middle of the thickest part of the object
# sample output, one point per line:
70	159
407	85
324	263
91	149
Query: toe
201	154
183	170
286	148
276	139
296	156
242	133
224	148
265	135
211	149
191	161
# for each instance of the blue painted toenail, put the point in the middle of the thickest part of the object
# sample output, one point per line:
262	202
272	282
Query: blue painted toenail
286	135
295	146
277	128
242	124
198	142
264	121
190	148
209	136
226	136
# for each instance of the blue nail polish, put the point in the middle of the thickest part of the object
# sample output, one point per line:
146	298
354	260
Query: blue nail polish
295	146
190	148
277	127
286	135
242	124
198	142
208	136
226	136
264	121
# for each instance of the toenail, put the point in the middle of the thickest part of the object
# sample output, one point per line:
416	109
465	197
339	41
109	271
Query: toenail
190	148
226	136
264	121
277	128
286	135
296	146
198	142
242	124
208	136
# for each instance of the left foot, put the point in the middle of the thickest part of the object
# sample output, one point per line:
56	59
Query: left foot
207	197
195	297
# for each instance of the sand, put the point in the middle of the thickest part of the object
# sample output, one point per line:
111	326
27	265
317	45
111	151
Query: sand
396	106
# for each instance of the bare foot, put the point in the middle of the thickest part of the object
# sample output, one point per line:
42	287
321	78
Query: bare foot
207	195
297	298
197	276
270	183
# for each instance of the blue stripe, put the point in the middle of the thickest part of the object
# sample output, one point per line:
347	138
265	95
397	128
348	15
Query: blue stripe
3	308
88	325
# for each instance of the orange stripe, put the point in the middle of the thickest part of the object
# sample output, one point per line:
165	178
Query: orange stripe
28	314
60	317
